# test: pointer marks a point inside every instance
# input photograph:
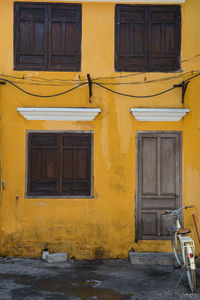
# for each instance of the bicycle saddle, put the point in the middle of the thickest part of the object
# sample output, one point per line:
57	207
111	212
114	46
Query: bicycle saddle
184	231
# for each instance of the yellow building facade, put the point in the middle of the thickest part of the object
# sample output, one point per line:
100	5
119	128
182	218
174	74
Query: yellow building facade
103	224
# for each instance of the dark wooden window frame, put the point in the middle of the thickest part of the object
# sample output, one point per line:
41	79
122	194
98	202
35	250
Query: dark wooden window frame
43	58
138	133
28	195
148	63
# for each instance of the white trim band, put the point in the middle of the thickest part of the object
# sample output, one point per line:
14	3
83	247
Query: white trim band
159	114
59	113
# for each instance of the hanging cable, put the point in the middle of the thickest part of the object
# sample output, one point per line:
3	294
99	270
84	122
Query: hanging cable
98	84
148	81
145	96
190	58
133	96
43	84
121	76
65	83
42	96
198	74
39	79
60	82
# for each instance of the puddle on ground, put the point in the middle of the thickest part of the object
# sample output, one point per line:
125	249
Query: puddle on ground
86	290
93	283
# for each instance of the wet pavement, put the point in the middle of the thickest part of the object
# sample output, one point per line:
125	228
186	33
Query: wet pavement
91	280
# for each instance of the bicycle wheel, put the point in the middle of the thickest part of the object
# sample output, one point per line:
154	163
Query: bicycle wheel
177	250
191	274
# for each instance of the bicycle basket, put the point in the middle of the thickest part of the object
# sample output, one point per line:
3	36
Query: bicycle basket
170	221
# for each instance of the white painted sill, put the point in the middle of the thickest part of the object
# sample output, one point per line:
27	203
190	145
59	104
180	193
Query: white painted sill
159	114
59	113
58	197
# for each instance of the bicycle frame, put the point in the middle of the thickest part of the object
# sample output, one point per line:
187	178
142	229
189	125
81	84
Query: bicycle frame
187	245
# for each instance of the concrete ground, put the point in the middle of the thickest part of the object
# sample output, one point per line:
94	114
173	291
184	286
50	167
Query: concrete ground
86	280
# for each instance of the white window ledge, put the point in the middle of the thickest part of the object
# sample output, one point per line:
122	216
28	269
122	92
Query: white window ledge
159	114
59	113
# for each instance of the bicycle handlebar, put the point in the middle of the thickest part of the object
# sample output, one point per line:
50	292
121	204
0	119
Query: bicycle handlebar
190	206
176	210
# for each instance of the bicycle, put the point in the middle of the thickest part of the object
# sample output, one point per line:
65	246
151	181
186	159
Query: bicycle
183	246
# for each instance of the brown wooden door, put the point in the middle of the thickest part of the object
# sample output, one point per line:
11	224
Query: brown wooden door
158	181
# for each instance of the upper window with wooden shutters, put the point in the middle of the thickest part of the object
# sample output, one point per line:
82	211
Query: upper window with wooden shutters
147	38
47	36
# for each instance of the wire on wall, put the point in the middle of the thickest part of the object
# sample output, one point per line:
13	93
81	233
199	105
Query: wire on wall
190	58
145	96
41	79
42	96
100	85
134	96
70	82
149	81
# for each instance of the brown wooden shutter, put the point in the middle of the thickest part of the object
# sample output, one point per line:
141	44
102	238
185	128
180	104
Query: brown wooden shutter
76	164
164	39
130	38
147	37
30	36
43	164
59	164
65	37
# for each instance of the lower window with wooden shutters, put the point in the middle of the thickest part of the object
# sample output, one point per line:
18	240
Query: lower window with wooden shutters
59	164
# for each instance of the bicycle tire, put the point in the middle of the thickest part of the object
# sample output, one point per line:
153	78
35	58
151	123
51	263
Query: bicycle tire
177	251
191	275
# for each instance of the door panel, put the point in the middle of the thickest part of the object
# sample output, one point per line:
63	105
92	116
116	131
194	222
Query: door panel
149	166
158	181
168	165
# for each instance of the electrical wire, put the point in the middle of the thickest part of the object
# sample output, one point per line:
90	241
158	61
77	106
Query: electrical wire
148	81
98	84
121	76
39	79
133	96
190	58
66	83
145	96
42	96
71	80
57	79
61	82
65	92
198	74
43	84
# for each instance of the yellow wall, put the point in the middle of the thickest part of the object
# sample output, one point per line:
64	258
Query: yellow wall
103	225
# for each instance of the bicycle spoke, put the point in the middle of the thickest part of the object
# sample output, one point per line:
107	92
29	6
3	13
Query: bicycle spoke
179	279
